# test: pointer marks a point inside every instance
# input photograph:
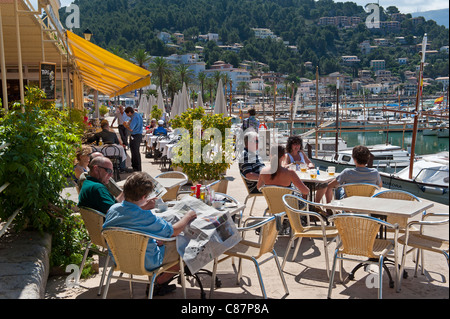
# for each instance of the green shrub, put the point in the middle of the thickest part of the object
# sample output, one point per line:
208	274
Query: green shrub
37	163
203	170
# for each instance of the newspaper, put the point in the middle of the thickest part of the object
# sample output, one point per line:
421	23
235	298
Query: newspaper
205	238
158	190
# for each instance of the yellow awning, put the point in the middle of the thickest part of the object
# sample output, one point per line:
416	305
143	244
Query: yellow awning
104	71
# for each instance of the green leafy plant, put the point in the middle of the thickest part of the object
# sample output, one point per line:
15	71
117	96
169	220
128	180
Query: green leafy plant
103	109
37	162
156	113
204	169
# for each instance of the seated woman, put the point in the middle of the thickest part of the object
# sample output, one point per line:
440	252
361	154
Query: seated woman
83	160
277	175
296	155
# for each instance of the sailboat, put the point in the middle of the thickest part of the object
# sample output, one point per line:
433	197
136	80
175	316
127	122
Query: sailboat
430	178
427	178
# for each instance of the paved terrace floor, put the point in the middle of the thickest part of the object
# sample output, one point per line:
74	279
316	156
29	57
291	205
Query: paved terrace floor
306	275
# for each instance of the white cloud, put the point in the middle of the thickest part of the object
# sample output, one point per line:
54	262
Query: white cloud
406	6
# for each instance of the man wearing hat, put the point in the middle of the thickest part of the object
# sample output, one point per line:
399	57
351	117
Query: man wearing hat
160	130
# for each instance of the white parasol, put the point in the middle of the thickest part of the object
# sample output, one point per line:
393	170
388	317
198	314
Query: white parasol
220	104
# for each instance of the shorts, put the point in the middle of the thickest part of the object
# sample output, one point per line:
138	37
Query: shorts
316	186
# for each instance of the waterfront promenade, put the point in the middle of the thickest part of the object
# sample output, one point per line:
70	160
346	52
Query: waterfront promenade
306	276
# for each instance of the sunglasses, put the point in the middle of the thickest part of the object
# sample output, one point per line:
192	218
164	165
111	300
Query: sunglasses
108	170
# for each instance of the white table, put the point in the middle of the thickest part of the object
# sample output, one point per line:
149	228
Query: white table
379	206
321	178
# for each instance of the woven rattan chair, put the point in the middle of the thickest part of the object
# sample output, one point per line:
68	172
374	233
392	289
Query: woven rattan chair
93	221
419	241
220	186
274	197
359	189
291	203
402	195
128	248
172	193
112	152
358	239
250	195
254	251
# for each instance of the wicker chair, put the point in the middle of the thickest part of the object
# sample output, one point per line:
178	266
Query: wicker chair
128	248
402	195
172	193
358	238
274	197
299	231
419	241
93	221
360	189
250	195
220	186
112	152
254	251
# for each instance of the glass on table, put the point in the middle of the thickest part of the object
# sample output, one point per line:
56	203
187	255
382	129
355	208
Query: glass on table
331	170
313	173
303	167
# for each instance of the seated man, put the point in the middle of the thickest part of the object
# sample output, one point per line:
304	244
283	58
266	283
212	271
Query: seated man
107	136
93	193
359	174
134	213
160	130
252	164
112	186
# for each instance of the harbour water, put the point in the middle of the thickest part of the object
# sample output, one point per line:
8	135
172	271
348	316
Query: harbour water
424	144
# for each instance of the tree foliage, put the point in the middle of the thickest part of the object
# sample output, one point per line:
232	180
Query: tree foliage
134	24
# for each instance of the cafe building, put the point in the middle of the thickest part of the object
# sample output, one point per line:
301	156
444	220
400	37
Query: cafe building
36	50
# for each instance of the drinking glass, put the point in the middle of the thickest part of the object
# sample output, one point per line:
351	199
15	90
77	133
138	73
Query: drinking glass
331	170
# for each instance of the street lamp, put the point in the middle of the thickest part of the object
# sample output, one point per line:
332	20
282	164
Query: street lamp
87	34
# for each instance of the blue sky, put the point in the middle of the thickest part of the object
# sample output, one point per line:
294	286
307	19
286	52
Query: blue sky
405	6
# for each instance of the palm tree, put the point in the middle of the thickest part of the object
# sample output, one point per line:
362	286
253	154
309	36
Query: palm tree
202	78
243	87
226	79
140	57
217	76
185	73
161	69
210	84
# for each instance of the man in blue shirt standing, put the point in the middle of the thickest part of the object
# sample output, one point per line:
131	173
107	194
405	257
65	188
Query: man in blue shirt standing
135	126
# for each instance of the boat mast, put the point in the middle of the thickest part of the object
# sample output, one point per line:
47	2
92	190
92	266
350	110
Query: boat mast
416	115
337	116
317	113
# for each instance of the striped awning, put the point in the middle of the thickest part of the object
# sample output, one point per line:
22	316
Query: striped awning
103	70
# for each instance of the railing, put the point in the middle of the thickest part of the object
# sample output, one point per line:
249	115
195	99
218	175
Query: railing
11	218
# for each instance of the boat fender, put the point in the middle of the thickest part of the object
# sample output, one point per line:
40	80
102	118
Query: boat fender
433	190
262	125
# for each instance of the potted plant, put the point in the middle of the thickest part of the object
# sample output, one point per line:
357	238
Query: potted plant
156	112
203	157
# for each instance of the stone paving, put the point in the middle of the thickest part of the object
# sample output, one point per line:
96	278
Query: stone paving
306	275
